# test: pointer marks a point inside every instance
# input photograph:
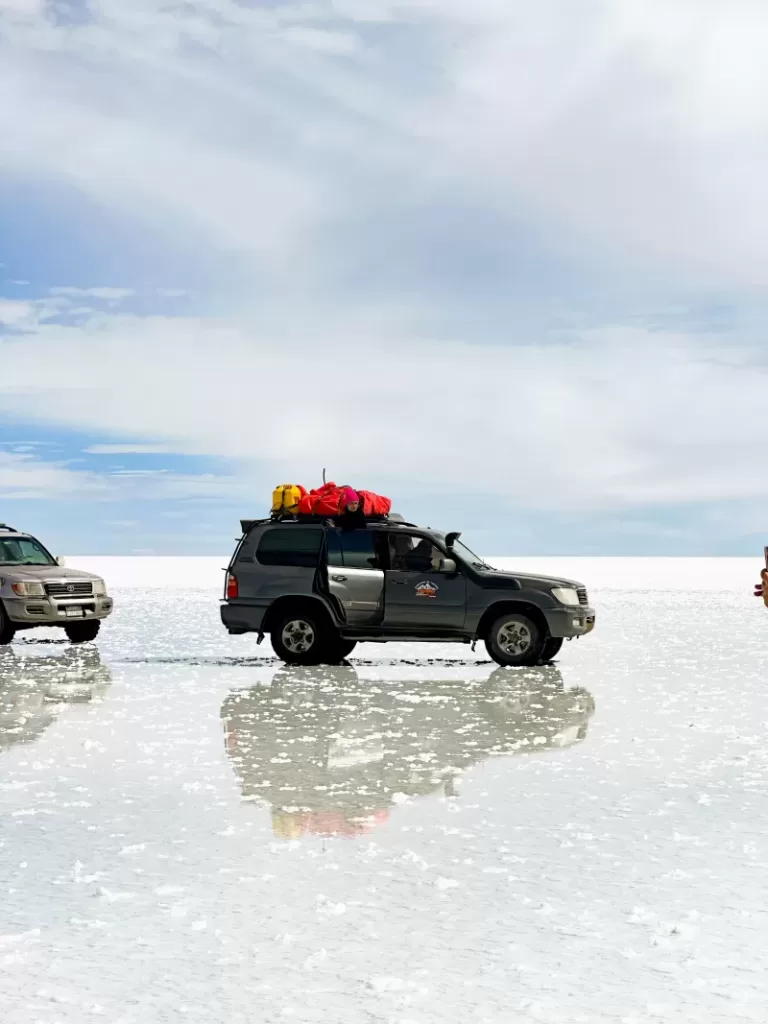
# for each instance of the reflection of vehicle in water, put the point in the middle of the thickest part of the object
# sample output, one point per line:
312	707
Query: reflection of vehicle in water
32	689
330	753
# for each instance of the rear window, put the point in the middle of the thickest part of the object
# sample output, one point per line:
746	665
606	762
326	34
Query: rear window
290	546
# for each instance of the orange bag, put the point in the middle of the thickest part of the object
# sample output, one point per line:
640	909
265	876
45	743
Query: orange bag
330	500
375	504
323	501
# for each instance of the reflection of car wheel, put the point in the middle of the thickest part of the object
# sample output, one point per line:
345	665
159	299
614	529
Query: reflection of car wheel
83	632
585	699
7	629
514	639
551	649
337	650
297	638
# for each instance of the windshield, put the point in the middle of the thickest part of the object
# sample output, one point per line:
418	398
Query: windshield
466	555
23	551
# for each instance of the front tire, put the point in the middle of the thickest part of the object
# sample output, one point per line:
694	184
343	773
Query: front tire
514	640
299	638
551	649
83	632
7	628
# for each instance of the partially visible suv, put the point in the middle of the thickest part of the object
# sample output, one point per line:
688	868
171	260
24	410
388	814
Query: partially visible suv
317	590
36	590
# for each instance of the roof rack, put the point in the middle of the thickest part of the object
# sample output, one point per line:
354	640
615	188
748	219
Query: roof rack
10	529
247	524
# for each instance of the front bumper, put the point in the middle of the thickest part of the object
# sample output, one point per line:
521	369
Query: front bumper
55	611
569	622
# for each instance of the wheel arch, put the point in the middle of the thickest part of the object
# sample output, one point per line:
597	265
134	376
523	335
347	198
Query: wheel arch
499	608
8	628
290	602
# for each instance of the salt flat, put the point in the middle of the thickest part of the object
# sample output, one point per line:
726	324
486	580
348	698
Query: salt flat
715	574
189	831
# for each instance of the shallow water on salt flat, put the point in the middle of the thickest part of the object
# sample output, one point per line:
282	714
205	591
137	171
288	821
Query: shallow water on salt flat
189	831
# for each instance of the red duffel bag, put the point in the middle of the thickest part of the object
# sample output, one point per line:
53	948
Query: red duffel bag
331	500
323	501
375	504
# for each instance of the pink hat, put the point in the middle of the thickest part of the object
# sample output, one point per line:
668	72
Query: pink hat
350	495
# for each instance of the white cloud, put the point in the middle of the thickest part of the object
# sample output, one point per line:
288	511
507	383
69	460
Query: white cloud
15	312
28	7
130	449
109	294
638	125
607	419
642	126
293	135
26	477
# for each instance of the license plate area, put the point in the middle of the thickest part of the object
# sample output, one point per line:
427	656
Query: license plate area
74	612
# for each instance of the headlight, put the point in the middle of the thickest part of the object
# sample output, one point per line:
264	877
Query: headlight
99	588
566	595
29	589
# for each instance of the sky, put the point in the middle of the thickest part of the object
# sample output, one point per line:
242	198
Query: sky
504	261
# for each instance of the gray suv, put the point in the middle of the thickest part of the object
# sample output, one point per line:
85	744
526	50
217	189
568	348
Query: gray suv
318	590
36	590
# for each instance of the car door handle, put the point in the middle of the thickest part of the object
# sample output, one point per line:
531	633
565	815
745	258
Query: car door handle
339	579
399	583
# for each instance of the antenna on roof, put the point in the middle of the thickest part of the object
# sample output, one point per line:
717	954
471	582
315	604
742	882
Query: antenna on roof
323	475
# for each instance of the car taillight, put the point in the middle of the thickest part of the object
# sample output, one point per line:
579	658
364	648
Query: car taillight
232	589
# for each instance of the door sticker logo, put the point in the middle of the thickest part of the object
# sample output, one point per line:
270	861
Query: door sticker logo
426	589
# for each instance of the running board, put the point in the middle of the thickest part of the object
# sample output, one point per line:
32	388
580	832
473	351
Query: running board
384	638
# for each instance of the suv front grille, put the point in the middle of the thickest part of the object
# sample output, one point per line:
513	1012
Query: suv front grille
69	589
583	598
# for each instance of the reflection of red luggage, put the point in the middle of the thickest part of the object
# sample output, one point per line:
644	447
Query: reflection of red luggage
325	822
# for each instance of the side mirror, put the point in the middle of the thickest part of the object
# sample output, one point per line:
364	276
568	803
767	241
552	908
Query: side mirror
447	565
61	561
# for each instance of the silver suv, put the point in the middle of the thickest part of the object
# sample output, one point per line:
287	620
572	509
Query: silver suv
36	590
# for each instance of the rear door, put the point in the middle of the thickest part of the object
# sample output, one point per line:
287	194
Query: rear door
277	560
417	593
356	574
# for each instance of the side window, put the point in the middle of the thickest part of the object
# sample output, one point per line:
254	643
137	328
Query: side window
291	546
359	549
10	551
410	553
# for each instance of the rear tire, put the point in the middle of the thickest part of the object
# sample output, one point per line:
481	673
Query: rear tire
83	632
337	650
514	640
551	649
7	628
300	638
